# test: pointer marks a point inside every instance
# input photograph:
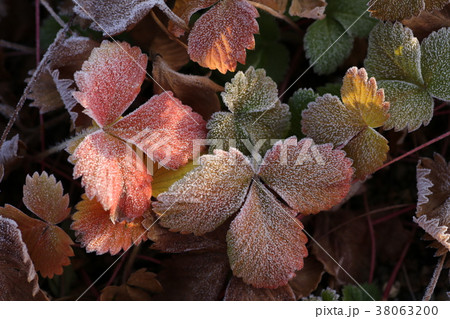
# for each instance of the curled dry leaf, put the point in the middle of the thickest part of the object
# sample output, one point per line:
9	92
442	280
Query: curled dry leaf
312	9
8	152
116	16
163	128
219	38
237	290
350	124
433	204
428	22
199	92
49	246
97	233
398	10
308	278
139	287
18	279
217	189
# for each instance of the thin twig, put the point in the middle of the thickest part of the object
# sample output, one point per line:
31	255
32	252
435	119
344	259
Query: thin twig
116	271
130	262
46	59
53	13
17	47
275	14
437	272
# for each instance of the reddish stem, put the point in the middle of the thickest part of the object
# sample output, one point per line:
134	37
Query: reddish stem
37	18
147	258
392	215
434	140
88	283
373	255
116	270
397	267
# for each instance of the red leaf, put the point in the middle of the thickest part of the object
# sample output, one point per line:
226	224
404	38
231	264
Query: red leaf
164	129
110	80
219	38
96	232
112	171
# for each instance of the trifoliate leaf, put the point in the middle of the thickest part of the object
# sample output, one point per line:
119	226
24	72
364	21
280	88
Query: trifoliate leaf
408	72
403	9
266	243
116	16
351	124
297	103
436	63
219	37
18	279
97	233
433	204
311	9
208	195
237	290
328	42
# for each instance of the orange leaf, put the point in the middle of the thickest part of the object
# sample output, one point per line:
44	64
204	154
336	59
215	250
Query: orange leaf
48	245
96	232
219	38
185	9
110	80
112	171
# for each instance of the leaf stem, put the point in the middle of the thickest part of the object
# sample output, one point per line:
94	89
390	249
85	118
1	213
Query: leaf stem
437	272
275	14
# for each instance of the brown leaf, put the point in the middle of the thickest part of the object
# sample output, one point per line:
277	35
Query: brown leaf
402	9
185	9
237	290
312	9
194	277
428	22
307	279
277	5
18	279
199	92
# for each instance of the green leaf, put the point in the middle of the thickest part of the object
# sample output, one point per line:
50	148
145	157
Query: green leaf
332	88
297	103
354	293
329	295
321	46
436	63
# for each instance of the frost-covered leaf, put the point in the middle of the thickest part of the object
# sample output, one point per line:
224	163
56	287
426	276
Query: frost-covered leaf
185	9
351	124
308	177
97	233
199	92
208	195
44	197
312	9
266	243
163	128
116	16
408	72
110	80
18	279
327	294
48	245
112	172
257	114
328	42
428	22
402	9
436	63
194	277
433	204
297	103
219	38
163	178
237	290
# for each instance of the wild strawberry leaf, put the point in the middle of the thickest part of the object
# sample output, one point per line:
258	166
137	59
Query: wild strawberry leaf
433	204
237	290
44	197
219	38
308	177
266	243
18	279
311	9
163	128
112	172
110	80
116	16
95	230
48	245
328	42
185	9
350	123
403	9
208	195
199	92
410	74
163	178
257	114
